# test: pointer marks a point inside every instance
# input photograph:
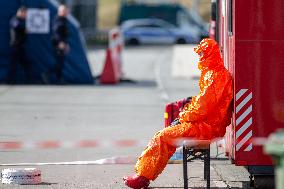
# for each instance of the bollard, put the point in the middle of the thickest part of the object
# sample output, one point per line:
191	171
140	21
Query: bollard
275	148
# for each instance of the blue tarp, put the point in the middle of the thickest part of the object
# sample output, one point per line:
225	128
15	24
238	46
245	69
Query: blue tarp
40	51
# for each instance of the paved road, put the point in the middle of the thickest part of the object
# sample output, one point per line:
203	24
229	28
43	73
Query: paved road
105	113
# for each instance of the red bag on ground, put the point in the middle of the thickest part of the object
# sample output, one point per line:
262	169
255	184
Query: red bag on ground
172	110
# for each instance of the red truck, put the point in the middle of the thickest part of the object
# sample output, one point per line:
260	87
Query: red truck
250	34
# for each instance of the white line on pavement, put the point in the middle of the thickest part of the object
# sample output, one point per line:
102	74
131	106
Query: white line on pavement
112	160
164	94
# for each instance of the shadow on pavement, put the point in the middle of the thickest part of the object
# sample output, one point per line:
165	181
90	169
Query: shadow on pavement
41	184
164	187
245	185
47	184
219	159
191	187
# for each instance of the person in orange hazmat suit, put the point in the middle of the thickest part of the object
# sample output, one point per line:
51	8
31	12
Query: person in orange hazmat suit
205	117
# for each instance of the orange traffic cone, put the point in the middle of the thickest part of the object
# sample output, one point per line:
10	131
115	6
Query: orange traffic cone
110	74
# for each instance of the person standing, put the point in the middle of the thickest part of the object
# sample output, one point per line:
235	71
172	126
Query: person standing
59	40
18	39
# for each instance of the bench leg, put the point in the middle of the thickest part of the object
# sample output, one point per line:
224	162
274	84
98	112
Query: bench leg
185	177
205	165
207	161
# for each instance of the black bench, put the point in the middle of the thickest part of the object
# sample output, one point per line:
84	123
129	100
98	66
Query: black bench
196	150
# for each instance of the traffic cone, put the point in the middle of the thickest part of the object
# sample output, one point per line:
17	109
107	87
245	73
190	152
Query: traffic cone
110	74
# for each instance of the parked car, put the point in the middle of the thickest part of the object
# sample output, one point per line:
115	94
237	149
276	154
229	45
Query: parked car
174	13
155	31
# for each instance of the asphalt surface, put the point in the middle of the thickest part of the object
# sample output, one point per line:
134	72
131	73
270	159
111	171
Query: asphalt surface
129	110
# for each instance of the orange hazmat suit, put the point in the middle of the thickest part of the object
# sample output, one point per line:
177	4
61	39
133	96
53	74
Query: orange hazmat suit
205	117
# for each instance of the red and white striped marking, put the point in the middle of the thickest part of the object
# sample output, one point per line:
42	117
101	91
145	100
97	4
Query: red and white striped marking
116	39
122	143
242	142
116	46
244	121
56	144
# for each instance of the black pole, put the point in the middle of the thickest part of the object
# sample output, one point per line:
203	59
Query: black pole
205	164
185	178
208	167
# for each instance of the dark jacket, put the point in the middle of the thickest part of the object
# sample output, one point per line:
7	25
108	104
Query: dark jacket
59	30
18	31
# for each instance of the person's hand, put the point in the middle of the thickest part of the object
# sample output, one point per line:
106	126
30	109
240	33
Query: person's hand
175	122
188	99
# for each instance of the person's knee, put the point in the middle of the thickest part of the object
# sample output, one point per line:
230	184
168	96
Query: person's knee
164	135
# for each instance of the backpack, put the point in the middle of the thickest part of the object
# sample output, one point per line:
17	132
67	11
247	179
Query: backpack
172	111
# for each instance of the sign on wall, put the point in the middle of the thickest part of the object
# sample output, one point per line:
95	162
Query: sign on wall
38	21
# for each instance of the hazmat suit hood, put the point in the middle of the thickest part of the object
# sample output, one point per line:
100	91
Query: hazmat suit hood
209	55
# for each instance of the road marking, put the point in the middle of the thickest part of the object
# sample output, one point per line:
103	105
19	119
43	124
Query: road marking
106	161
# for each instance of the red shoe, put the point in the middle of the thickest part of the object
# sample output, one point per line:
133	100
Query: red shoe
136	182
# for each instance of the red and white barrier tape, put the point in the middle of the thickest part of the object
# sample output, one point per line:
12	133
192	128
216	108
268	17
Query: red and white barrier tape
56	144
123	143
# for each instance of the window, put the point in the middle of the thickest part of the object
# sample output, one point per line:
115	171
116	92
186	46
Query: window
217	21
213	11
230	17
154	26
